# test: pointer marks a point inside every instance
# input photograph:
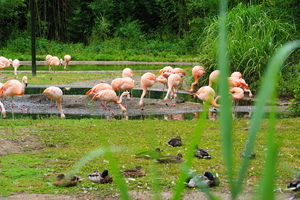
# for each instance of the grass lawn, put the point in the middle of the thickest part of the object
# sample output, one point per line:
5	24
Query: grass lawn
34	152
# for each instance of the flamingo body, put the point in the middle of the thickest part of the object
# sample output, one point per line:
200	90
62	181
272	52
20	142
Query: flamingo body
237	93
127	72
110	96
67	59
15	64
56	94
4	62
99	87
206	93
147	81
174	81
197	72
213	78
179	71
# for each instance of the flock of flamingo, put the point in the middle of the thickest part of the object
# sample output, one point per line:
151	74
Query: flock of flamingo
169	76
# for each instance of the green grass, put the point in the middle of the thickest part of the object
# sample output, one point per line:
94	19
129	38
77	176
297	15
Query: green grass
65	142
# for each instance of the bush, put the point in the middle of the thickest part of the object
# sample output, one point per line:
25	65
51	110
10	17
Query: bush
252	38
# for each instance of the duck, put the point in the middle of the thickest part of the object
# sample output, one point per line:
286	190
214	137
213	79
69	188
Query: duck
66	180
294	184
207	179
201	153
151	154
170	159
99	177
175	142
134	172
252	155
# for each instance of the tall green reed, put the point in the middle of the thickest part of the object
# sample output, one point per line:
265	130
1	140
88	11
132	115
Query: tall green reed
252	38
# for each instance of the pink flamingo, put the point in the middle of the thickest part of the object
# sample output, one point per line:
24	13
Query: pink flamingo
238	94
12	88
213	78
111	96
56	94
241	83
98	87
125	84
147	81
3	111
174	81
127	72
179	71
206	93
197	72
67	59
237	75
15	64
4	62
52	61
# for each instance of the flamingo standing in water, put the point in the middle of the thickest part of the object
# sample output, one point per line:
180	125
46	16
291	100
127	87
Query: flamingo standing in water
197	72
99	87
147	81
12	88
15	64
125	84
56	94
206	93
174	81
67	59
111	96
127	72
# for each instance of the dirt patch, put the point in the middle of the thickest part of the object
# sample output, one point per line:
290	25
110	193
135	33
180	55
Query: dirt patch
142	195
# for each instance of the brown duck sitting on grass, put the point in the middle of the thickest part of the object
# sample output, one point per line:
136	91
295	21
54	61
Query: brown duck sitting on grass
134	172
175	142
201	153
66	180
151	154
171	159
99	177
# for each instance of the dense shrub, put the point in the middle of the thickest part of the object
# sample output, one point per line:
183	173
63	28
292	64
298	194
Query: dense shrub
252	38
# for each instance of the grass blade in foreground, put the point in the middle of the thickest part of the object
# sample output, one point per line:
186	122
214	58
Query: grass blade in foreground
269	172
225	115
267	89
190	155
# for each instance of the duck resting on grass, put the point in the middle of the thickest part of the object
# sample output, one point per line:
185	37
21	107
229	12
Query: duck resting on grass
294	184
170	159
175	142
134	172
204	180
201	153
151	154
66	180
99	177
